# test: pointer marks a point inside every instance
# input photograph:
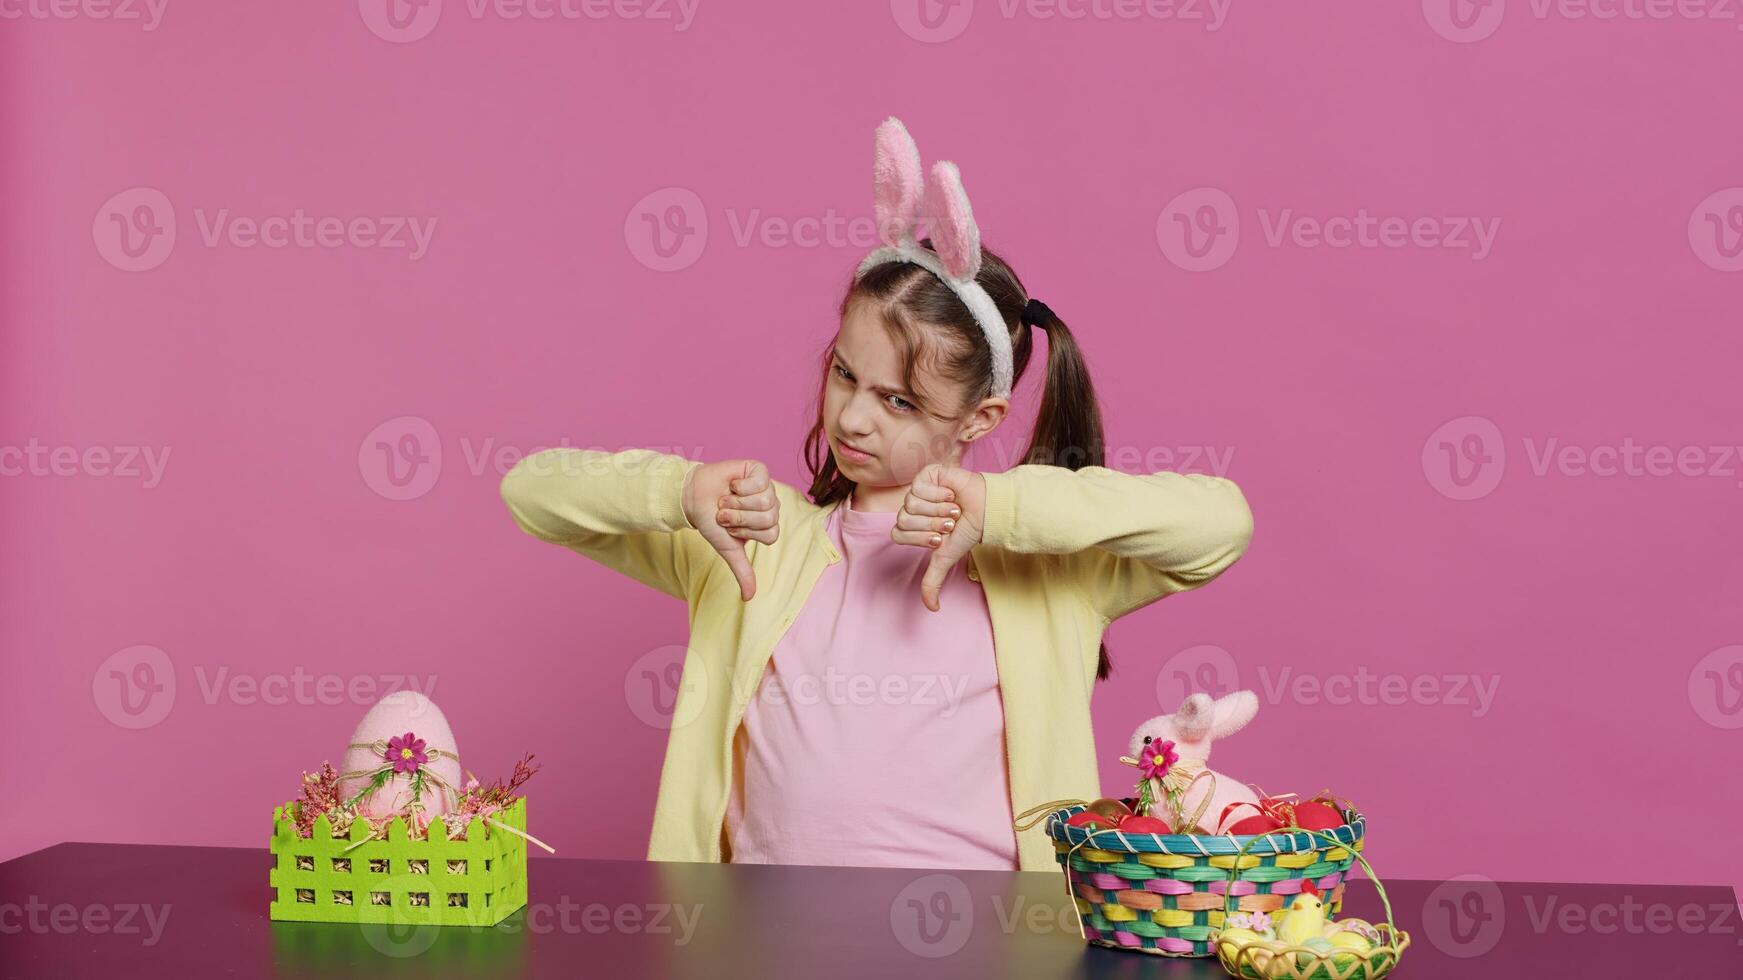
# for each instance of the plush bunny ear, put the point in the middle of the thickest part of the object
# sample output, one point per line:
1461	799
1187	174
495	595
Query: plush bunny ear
897	184
1233	711
950	222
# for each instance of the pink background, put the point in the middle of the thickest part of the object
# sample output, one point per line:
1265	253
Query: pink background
272	546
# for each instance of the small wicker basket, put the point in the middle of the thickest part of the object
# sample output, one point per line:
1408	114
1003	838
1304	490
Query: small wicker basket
1166	893
1261	961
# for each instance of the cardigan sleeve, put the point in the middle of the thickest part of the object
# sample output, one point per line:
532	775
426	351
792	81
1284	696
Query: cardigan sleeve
1124	540
623	510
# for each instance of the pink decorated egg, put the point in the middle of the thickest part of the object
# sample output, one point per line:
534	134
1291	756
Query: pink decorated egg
403	733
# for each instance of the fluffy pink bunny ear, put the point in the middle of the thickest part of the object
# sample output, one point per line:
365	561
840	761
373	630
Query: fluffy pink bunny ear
897	184
950	222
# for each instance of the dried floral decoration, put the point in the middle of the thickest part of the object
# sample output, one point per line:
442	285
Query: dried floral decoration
407	754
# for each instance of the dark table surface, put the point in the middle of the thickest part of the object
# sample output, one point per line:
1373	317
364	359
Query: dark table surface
113	910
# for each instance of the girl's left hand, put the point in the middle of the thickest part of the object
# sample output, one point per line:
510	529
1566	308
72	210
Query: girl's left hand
945	510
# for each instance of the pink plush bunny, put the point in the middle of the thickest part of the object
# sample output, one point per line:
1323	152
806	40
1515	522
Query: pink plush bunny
1173	749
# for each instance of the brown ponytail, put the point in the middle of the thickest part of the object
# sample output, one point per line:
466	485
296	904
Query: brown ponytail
921	312
1068	430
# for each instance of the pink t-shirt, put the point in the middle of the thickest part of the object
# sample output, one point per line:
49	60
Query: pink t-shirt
877	737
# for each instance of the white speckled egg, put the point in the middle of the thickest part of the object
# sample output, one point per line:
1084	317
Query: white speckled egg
394	716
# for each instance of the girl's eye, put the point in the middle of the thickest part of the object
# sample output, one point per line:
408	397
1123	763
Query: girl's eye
900	404
841	373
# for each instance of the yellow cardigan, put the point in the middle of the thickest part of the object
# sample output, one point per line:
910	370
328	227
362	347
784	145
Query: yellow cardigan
1063	554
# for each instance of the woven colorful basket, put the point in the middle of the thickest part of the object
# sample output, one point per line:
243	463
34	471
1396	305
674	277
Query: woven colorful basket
1165	893
1259	960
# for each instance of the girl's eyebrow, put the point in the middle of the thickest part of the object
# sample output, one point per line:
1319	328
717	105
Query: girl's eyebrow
901	393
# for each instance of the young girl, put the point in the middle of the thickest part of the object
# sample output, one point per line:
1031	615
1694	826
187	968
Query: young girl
884	670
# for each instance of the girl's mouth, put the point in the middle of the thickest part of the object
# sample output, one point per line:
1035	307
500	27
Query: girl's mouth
852	454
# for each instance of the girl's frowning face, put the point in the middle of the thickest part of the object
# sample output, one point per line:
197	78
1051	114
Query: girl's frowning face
882	433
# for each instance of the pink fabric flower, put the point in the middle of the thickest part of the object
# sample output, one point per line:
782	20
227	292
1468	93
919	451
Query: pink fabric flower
406	753
1157	758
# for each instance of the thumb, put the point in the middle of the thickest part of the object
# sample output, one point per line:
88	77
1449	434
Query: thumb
932	583
739	562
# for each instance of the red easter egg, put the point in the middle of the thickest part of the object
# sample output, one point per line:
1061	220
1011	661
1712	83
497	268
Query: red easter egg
1136	824
1258	823
1315	815
1091	820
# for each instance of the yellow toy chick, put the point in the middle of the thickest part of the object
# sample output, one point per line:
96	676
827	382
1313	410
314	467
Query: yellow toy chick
1306	918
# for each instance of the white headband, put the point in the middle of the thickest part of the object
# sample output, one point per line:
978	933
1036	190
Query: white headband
903	198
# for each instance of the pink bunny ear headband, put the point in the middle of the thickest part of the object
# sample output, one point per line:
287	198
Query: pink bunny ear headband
903	198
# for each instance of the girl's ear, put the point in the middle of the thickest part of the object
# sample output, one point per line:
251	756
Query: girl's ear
1233	711
950	222
897	183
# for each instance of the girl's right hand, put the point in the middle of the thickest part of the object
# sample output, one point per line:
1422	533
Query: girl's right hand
733	502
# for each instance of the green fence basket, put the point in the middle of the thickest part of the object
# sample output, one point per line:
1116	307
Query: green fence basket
477	881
